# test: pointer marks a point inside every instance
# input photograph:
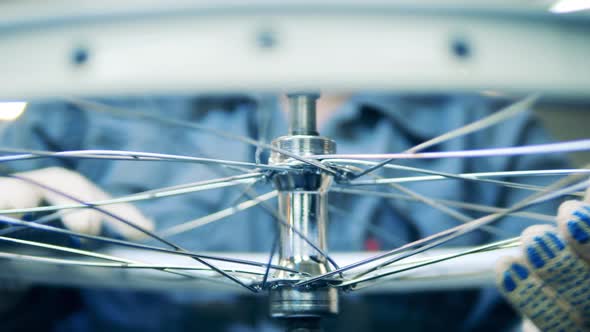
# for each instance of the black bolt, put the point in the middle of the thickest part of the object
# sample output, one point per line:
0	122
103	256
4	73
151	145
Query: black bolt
461	48
266	39
80	56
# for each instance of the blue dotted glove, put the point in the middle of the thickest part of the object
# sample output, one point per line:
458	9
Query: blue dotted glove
550	283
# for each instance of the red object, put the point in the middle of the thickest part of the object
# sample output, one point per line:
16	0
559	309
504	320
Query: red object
372	245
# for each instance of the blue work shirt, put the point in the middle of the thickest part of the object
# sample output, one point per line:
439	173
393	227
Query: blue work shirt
367	123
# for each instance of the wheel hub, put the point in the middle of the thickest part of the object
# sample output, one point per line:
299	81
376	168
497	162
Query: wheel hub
303	207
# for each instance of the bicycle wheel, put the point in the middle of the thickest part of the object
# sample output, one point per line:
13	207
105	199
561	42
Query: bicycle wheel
86	57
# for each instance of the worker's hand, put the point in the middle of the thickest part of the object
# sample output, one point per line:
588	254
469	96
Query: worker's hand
550	283
16	194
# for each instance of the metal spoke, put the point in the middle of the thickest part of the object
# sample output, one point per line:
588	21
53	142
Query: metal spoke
372	280
69	250
83	253
477	175
273	249
56	230
84	104
130	155
135	226
190	225
265	117
61	261
438	206
88	205
151	194
480	222
454	232
442	208
495	118
45	219
463	205
326	163
568	146
252	194
437	175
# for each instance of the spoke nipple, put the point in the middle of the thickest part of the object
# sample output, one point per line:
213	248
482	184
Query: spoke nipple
344	176
266	176
350	288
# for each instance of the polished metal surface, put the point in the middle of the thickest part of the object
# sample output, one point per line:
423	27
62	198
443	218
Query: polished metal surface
291	303
303	205
305	211
302	115
303	145
302	196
